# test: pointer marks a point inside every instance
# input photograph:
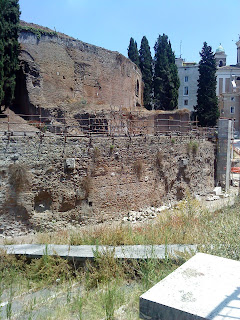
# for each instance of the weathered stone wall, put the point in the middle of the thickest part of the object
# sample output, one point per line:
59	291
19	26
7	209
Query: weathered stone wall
109	177
58	71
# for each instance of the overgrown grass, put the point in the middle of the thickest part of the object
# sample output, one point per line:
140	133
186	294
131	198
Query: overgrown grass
105	289
187	223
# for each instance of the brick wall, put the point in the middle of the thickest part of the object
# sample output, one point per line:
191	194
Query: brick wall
58	71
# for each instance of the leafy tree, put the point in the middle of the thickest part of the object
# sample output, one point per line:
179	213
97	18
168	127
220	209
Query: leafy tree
133	52
165	81
147	74
9	20
207	104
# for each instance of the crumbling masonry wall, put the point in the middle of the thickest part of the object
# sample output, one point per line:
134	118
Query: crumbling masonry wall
61	72
84	180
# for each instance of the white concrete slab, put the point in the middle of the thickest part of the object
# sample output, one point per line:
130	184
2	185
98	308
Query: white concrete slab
87	251
205	287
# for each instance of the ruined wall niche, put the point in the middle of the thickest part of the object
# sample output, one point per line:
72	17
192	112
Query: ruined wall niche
69	164
137	89
43	201
21	102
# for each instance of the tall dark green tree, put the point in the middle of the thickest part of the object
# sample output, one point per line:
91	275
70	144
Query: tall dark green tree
2	24
9	21
147	74
207	111
165	81
133	52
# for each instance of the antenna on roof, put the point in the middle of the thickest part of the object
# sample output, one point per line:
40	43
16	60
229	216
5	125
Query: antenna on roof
181	49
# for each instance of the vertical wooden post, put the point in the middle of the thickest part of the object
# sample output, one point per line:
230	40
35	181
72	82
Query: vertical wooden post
8	117
40	119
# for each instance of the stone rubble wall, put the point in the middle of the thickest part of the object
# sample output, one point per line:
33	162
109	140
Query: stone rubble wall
90	180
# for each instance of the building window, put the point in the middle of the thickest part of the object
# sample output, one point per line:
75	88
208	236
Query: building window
232	110
137	88
185	91
186	102
220	63
186	79
227	85
232	98
220	85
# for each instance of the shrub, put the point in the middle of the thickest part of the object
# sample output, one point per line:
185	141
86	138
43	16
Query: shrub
111	148
194	147
104	269
48	269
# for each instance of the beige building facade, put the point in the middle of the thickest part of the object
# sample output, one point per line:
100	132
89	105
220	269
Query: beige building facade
228	85
228	89
188	76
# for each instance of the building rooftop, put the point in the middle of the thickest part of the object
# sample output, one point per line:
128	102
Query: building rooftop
233	66
220	49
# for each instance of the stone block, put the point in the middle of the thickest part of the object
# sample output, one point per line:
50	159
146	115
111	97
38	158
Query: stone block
217	191
183	163
70	164
205	287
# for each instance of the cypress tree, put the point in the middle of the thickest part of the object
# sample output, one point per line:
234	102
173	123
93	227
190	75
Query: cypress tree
1	52
133	52
165	82
9	20
146	69
207	103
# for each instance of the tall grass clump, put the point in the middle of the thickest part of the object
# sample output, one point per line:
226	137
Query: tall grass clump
104	268
222	232
48	269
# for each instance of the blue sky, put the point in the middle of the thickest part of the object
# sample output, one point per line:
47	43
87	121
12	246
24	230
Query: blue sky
111	23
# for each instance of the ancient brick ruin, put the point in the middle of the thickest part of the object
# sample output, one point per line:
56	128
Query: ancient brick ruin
59	72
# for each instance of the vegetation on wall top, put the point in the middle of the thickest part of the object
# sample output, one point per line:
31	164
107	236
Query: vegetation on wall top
37	31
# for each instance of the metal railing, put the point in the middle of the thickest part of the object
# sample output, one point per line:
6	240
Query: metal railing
85	125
